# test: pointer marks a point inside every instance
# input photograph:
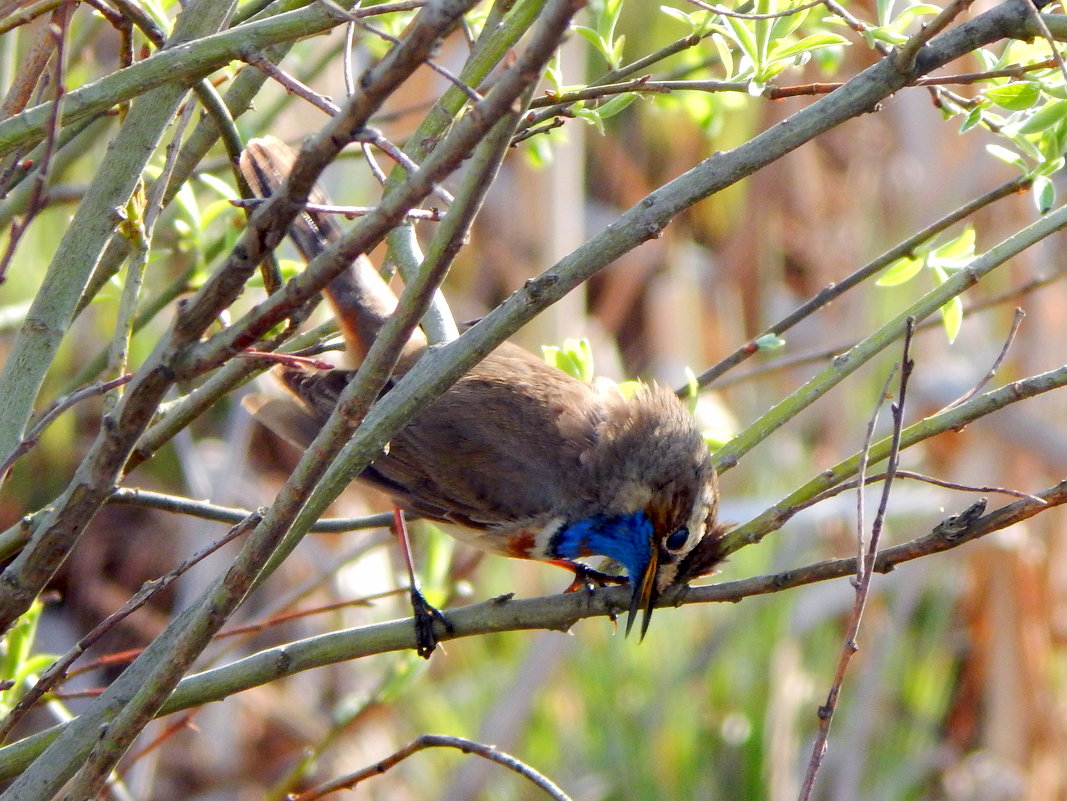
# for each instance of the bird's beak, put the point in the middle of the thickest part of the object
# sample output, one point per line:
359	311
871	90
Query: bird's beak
644	596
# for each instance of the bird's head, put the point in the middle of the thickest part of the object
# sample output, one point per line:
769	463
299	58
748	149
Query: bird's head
651	494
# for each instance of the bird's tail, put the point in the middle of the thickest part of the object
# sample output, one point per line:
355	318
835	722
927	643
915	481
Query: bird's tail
360	298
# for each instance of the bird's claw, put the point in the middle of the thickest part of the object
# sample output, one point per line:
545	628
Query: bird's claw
425	615
589	579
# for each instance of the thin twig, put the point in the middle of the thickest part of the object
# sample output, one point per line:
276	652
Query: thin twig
1039	21
1015	323
372	163
857	25
131	496
375	137
861	476
349	212
339	12
725	12
57	30
907	53
558	612
349	71
925	479
865	564
56	672
288	359
57	408
824	354
292	85
435	741
833	291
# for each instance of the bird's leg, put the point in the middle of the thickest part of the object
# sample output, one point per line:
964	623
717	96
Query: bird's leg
424	613
589	579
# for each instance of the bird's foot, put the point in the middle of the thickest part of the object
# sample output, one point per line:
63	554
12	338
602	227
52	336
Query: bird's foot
425	615
590	579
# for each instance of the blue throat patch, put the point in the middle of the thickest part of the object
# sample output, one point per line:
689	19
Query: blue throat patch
625	538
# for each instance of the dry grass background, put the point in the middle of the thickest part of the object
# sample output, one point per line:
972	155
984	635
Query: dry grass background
958	691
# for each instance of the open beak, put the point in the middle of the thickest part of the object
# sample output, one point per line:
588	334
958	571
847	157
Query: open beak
644	596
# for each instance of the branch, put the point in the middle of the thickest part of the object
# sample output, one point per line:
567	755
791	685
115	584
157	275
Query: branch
847	363
955	418
864	568
555	612
434	741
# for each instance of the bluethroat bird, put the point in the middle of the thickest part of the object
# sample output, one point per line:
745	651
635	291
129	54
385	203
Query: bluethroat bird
518	457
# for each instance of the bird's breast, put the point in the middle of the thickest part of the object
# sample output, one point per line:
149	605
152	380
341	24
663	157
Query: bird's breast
526	541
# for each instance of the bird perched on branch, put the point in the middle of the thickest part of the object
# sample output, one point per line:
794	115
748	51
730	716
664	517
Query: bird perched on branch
517	457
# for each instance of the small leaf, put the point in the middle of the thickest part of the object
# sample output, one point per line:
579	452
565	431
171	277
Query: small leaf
725	54
1007	156
591	116
615	105
884	11
1044	194
689	20
900	271
974	116
873	35
952	311
744	38
784	26
769	342
960	248
952	318
692	390
1051	114
809	43
1014	96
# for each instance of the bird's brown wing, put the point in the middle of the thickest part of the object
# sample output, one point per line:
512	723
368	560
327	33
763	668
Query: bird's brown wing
472	456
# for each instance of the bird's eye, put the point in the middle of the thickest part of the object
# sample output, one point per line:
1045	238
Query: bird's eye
677	539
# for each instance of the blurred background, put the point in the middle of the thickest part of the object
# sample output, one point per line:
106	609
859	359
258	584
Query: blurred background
958	691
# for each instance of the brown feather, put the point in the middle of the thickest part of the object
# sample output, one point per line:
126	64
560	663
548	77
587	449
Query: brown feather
360	298
515	447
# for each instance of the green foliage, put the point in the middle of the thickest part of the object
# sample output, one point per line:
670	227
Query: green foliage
574	357
601	35
718	701
19	665
942	260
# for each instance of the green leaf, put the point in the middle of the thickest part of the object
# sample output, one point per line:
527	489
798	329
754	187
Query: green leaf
726	56
1008	156
1014	96
769	342
873	35
974	116
574	357
601	45
1050	167
784	26
951	312
952	318
745	39
959	249
221	188
692	390
538	152
1044	194
900	271
681	16
807	44
591	116
1051	114
615	105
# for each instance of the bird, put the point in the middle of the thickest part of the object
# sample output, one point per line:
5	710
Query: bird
518	457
